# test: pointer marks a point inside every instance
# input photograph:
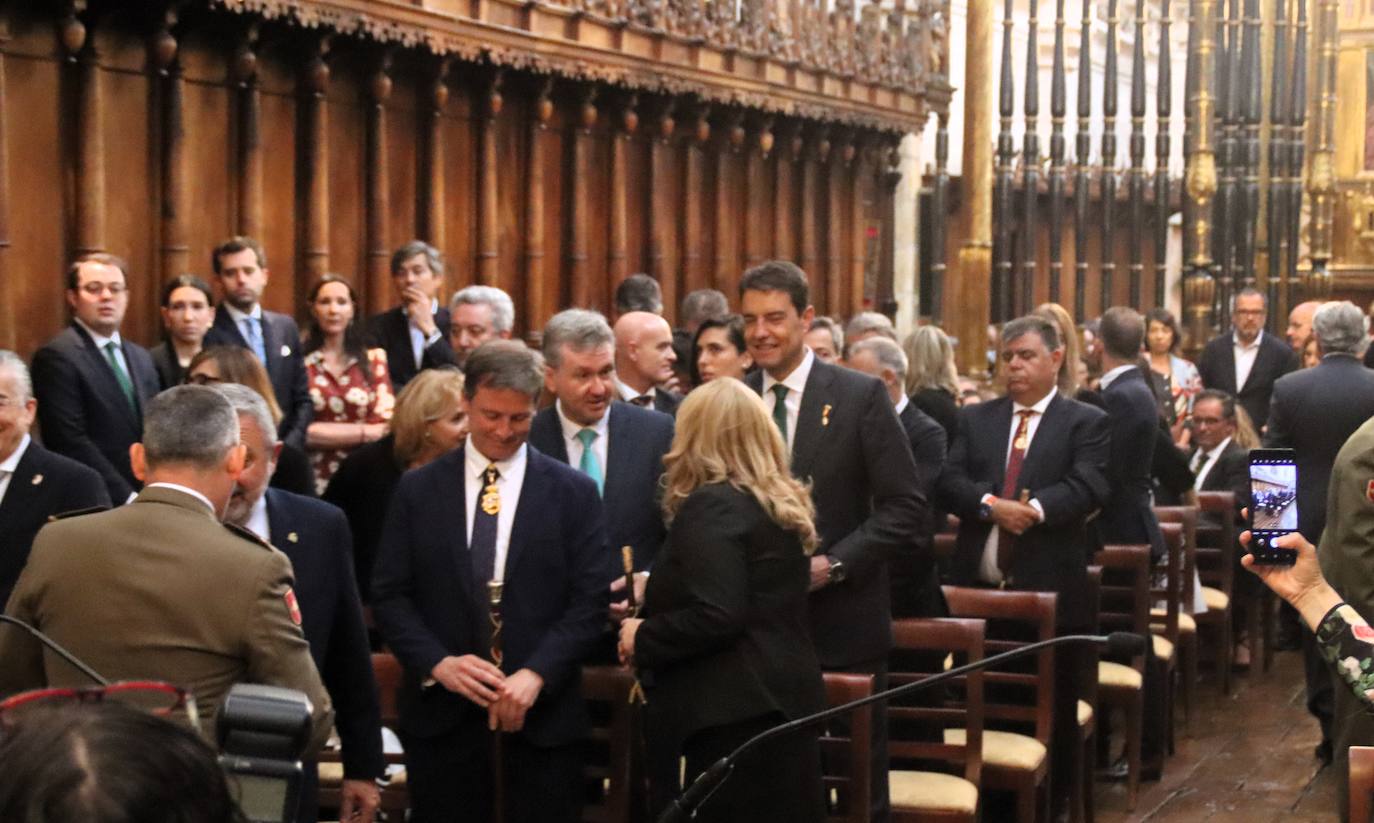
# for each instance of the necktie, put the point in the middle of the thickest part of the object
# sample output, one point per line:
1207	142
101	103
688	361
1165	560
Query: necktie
252	332
483	543
589	465
643	401
1199	457
1005	539
780	408
121	376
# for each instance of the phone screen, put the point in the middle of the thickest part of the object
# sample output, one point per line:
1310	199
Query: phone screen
1273	504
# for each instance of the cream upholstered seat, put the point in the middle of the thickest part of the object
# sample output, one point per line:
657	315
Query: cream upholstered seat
1163	648
932	790
1005	749
1116	674
1085	712
332	772
1215	599
1186	623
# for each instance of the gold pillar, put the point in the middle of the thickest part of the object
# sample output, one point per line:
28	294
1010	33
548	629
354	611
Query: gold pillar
1321	187
971	284
1200	180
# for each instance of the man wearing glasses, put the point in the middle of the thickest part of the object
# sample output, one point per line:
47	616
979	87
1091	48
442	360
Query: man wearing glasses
91	384
1246	362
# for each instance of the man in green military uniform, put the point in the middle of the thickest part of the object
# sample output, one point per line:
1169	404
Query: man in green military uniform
1346	553
160	589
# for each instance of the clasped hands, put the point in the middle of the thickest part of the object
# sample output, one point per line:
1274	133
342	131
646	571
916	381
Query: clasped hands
506	698
1013	515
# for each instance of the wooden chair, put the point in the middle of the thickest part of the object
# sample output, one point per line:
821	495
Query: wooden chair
845	761
1185	638
1082	791
386	669
1019	704
1125	606
1166	599
930	778
609	771
1216	557
1361	784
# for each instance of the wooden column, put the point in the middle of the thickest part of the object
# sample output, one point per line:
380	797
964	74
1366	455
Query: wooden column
835	247
489	104
888	177
785	160
659	217
970	287
316	257
377	290
858	170
535	274
90	138
693	196
8	327
814	157
175	252
617	249
730	142
436	188
760	146
249	147
578	273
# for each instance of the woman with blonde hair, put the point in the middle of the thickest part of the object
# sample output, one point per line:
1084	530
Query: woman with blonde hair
725	636
932	380
1068	338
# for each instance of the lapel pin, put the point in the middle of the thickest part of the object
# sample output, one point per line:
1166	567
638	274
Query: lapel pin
285	351
37	480
292	538
825	414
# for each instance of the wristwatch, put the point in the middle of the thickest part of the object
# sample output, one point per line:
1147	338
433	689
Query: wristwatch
985	512
837	572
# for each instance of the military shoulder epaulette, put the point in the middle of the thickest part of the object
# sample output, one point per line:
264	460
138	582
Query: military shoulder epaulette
247	535
77	513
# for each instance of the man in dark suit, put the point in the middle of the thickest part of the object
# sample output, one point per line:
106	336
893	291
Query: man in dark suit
1246	362
35	484
1314	411
1218	463
1132	413
494	513
644	359
845	439
315	536
240	320
915	578
478	314
414	335
91	384
1024	475
618	445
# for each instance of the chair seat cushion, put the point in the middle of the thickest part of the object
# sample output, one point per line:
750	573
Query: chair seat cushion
332	775
1085	712
932	790
1215	599
1164	650
1006	750
1186	623
1115	674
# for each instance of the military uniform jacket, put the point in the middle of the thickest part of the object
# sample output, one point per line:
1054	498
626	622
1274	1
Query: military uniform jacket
160	590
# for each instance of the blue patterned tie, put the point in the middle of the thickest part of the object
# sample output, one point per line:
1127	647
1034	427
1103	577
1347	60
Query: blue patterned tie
252	332
589	465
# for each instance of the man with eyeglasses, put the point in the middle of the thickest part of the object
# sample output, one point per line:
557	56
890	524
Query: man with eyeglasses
92	384
35	484
1246	362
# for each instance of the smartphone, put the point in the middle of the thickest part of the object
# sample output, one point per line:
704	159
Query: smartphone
1273	504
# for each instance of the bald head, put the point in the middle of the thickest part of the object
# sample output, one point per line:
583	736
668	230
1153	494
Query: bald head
643	350
1300	323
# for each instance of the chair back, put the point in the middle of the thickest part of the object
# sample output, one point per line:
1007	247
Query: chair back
387	670
1216	541
1020	695
916	723
1094	595
1125	592
1189	517
1361	783
845	762
1166	582
608	770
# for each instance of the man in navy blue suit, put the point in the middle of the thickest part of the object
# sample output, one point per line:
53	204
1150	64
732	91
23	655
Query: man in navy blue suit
494	513
91	384
619	445
240	320
35	484
315	536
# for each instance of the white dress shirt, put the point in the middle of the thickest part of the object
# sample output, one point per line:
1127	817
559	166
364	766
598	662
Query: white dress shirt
510	482
628	394
600	445
1245	358
11	463
418	340
796	384
238	317
1209	461
987	570
902	403
1110	377
257	519
101	341
186	490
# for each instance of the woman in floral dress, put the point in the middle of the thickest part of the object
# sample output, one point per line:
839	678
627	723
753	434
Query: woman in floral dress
349	384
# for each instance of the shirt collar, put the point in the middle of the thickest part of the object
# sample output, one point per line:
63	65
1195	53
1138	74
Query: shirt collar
99	339
571	428
796	381
1110	377
477	462
12	462
1039	407
902	404
1235	341
238	317
185	490
627	393
1221	447
258	523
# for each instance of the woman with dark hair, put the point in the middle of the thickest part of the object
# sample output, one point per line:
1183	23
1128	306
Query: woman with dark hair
350	387
1162	340
235	364
188	309
718	350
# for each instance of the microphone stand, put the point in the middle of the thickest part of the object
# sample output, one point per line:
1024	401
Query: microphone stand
684	808
56	648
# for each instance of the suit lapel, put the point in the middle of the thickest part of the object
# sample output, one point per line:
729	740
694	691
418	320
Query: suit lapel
1228	362
270	346
99	368
1262	359
226	325
618	450
1045	433
22	491
454	521
278	524
1001	428
528	491
815	397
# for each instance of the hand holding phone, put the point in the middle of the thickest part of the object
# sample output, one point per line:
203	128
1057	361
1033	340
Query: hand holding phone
1273	504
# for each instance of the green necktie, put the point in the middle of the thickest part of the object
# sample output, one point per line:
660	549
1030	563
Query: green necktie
121	376
590	466
780	409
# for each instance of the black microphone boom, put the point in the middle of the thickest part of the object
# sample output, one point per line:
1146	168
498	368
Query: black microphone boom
1117	644
56	648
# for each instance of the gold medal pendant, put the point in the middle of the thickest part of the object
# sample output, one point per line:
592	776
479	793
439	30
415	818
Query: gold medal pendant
1020	444
491	500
